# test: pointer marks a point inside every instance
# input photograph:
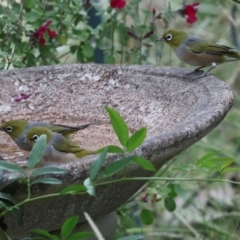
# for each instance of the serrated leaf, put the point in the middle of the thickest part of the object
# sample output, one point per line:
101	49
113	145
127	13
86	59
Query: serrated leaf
90	187
68	226
119	126
112	149
37	152
43	233
47	180
47	170
81	235
136	139
97	164
117	166
73	189
170	204
144	163
147	216
11	167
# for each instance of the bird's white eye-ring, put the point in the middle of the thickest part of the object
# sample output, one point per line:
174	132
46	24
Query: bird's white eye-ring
35	138
169	37
9	128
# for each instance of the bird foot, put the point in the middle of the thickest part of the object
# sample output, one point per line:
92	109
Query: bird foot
195	71
202	75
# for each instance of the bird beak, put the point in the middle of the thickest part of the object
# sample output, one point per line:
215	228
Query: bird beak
159	39
26	141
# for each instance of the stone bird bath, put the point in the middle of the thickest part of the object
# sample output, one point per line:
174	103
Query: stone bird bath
176	110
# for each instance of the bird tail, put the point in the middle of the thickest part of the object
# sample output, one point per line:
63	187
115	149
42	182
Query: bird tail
232	55
67	131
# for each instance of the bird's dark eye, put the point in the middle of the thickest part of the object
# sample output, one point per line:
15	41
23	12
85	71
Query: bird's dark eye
9	128
169	37
35	138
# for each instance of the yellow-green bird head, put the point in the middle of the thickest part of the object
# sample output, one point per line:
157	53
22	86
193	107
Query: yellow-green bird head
174	38
14	128
35	132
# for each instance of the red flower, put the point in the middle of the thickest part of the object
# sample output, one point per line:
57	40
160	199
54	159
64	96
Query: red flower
190	11
40	32
117	4
51	33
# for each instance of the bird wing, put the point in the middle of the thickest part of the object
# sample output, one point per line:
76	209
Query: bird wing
198	46
62	144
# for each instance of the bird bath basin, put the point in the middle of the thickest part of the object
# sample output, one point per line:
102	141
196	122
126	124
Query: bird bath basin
176	110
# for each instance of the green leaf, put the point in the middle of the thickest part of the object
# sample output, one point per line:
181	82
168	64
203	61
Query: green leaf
44	233
73	189
29	4
127	222
180	191
206	157
63	39
119	126
144	163
109	59
133	237
81	235
97	164
136	139
183	166
46	170
47	180
9	198
90	187
231	169
112	149
87	50
80	57
3	235
11	167
226	163
147	216
68	226
170	204
117	166
17	64
37	151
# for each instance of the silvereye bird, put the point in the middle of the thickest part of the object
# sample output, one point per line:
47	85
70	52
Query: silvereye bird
58	148
198	52
17	130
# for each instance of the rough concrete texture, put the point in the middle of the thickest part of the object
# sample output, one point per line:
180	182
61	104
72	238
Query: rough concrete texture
177	111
